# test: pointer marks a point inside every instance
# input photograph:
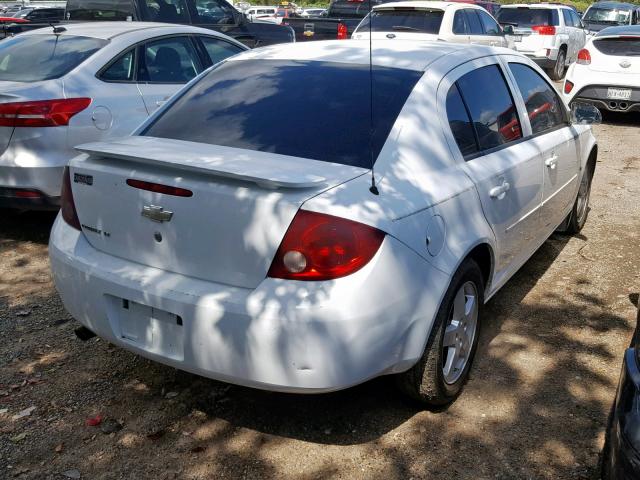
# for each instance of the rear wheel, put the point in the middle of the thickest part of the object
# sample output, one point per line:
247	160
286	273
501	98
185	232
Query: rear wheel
438	377
557	72
580	211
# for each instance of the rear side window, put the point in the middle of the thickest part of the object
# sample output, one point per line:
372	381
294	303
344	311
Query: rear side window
544	107
489	24
527	17
121	69
623	46
419	21
32	58
309	109
567	18
490	106
99	10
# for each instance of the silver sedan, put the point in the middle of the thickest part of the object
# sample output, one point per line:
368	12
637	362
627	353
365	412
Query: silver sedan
86	82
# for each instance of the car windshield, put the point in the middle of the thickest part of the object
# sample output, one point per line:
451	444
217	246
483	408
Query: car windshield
525	17
99	10
323	107
622	47
420	21
33	58
607	16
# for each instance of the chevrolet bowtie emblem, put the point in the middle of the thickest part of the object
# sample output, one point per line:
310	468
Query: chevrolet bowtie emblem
625	63
157	214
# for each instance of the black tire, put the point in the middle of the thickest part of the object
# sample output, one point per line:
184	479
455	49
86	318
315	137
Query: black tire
425	382
578	216
557	72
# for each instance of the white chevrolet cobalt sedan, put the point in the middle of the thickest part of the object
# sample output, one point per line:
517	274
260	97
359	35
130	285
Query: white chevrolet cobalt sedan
607	73
253	231
86	82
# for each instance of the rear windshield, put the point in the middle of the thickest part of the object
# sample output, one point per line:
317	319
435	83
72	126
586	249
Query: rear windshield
527	17
623	47
99	10
32	58
419	21
607	16
309	109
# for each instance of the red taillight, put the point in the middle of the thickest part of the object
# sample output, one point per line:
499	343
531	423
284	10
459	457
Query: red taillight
67	205
323	247
27	194
41	113
568	86
342	31
584	57
159	188
544	29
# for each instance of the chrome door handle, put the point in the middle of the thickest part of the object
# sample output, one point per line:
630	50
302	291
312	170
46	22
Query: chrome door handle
551	161
499	191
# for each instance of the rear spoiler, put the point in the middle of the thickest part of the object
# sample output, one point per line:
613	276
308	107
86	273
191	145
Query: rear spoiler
268	170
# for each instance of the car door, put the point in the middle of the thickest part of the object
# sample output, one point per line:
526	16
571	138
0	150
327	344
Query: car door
572	52
555	138
164	66
487	134
581	35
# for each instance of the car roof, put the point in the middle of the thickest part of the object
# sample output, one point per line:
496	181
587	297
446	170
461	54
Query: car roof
614	5
109	30
621	30
424	4
408	55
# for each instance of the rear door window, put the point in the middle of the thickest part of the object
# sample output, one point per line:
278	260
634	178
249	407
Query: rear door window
169	60
309	109
410	20
544	107
491	107
34	58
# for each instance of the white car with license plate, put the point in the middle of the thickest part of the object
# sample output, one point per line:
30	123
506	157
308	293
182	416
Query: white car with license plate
607	73
550	34
445	21
211	242
86	82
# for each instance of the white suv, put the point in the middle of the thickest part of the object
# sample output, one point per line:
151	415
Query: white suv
550	34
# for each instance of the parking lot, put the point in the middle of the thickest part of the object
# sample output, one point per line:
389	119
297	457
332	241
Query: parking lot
536	405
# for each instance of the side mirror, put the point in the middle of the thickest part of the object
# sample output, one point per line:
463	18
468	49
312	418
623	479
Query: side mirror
507	30
585	114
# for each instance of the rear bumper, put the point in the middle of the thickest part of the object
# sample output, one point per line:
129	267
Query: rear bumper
622	461
304	337
597	96
46	181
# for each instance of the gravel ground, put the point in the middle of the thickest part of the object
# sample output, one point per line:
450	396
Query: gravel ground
535	407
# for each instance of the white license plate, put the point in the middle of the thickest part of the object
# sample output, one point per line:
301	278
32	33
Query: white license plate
619	93
517	38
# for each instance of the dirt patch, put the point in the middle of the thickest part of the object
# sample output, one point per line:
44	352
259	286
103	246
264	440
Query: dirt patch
536	405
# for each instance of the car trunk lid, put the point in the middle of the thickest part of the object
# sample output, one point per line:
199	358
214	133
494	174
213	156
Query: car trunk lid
227	231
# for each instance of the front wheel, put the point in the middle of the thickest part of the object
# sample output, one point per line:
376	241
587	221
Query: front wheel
438	377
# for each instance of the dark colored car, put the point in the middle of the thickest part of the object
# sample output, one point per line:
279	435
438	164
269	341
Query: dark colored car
218	15
621	455
601	15
35	15
343	16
